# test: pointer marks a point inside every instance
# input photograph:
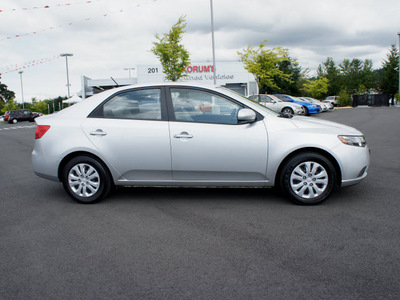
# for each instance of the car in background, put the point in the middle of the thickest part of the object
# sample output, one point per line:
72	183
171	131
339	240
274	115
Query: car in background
328	104
192	135
323	106
6	116
277	105
334	100
1	118
15	116
309	108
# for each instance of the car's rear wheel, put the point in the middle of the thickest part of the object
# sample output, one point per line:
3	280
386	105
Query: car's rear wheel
308	178
86	179
14	121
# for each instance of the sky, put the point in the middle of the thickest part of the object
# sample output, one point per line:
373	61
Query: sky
106	37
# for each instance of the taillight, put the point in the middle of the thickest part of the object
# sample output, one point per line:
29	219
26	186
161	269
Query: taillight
41	130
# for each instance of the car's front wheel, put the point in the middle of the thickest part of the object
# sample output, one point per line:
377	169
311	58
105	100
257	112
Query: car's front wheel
308	178
86	179
288	110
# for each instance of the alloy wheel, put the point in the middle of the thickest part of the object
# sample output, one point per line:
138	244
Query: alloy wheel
309	180
84	180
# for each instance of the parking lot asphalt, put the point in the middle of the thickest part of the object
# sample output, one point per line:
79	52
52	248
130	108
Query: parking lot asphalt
168	243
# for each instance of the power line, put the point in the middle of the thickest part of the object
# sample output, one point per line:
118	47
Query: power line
46	6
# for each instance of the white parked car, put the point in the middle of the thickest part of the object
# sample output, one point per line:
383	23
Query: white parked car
334	100
329	104
175	134
277	105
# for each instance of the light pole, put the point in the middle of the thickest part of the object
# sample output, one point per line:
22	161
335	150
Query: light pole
212	37
399	61
66	64
22	90
129	69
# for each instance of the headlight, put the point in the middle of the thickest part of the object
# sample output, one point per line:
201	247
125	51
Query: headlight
352	140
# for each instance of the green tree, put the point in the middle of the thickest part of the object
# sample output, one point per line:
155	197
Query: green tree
291	67
10	105
330	71
172	54
389	79
316	88
357	75
344	98
5	93
264	65
38	106
53	104
368	76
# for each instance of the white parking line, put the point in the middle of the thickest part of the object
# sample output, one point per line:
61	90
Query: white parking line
17	127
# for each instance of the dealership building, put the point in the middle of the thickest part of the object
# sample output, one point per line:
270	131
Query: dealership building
228	74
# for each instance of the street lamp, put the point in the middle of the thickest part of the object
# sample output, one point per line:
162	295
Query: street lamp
212	37
129	69
66	64
22	90
399	61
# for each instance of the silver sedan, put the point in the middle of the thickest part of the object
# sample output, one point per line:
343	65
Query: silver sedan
277	105
175	134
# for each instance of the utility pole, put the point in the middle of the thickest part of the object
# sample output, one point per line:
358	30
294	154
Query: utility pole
213	44
22	90
399	62
66	64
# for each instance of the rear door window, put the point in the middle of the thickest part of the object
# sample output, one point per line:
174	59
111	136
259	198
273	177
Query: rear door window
144	104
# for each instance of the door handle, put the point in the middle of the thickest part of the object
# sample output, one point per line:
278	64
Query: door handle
183	135
98	132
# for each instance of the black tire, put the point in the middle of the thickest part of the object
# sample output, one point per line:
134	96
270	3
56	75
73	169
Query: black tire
86	179
306	112
308	178
287	110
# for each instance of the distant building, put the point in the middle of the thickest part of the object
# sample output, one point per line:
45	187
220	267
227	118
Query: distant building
228	74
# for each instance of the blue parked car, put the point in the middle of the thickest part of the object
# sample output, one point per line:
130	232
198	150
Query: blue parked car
309	108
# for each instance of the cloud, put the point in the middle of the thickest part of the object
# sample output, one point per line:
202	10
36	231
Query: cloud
103	46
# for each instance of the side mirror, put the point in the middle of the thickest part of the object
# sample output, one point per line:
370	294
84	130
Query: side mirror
246	115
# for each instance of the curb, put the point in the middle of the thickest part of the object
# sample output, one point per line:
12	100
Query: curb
343	107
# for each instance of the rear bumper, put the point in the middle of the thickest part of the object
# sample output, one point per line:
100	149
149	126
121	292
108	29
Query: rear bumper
43	164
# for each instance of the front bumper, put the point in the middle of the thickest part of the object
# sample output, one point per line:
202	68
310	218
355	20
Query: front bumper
354	163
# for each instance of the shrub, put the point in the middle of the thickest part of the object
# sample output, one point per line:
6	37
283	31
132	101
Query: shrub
344	98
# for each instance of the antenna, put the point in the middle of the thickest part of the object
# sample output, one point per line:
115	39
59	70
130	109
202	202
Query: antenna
115	81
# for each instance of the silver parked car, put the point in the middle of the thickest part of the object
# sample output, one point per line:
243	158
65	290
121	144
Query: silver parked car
187	135
277	105
323	106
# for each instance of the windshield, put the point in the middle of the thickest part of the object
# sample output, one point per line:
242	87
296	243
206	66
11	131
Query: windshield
283	98
305	100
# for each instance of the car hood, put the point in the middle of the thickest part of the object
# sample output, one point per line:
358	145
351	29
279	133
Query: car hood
308	123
